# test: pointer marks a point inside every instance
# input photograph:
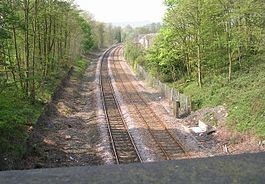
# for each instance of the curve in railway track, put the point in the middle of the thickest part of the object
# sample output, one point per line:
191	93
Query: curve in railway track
168	145
124	149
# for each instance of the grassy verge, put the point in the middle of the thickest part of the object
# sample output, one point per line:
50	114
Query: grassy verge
244	98
18	115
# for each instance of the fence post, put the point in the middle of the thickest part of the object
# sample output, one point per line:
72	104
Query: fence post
172	95
178	96
165	90
176	106
189	104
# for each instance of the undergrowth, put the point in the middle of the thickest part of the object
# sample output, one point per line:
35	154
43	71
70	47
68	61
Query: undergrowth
244	97
19	114
80	67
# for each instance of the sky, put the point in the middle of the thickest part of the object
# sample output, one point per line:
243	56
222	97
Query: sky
115	11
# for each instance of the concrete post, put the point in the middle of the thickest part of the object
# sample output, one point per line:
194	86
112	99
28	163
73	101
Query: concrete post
176	108
189	105
172	95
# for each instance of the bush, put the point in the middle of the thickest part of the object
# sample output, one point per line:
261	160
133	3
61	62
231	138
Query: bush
17	114
244	98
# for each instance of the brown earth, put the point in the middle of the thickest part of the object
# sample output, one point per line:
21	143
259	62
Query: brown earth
67	133
222	141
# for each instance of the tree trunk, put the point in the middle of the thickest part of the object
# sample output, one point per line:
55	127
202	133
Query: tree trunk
199	66
199	45
12	64
229	51
26	14
34	28
17	57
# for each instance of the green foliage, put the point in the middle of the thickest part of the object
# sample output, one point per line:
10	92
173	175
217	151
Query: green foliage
244	97
164	58
201	38
209	49
81	66
87	41
39	41
134	53
105	35
17	114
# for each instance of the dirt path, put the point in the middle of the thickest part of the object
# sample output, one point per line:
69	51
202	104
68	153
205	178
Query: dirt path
67	134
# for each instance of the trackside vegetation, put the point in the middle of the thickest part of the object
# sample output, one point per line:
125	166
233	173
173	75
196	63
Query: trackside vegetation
40	41
213	50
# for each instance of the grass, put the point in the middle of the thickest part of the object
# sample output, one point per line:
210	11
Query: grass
244	98
18	114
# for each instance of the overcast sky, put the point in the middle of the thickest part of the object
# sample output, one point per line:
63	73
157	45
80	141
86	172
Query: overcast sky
113	11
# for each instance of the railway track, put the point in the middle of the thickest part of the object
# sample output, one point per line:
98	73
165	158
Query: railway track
124	149
168	146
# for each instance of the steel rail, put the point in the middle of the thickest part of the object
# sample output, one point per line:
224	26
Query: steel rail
117	128
144	110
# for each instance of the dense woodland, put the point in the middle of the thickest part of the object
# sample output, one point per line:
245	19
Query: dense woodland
213	50
208	37
40	40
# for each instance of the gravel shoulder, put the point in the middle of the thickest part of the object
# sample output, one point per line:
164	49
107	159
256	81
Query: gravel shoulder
144	141
162	107
222	141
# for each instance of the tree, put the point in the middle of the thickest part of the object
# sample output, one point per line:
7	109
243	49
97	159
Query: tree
39	41
204	38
